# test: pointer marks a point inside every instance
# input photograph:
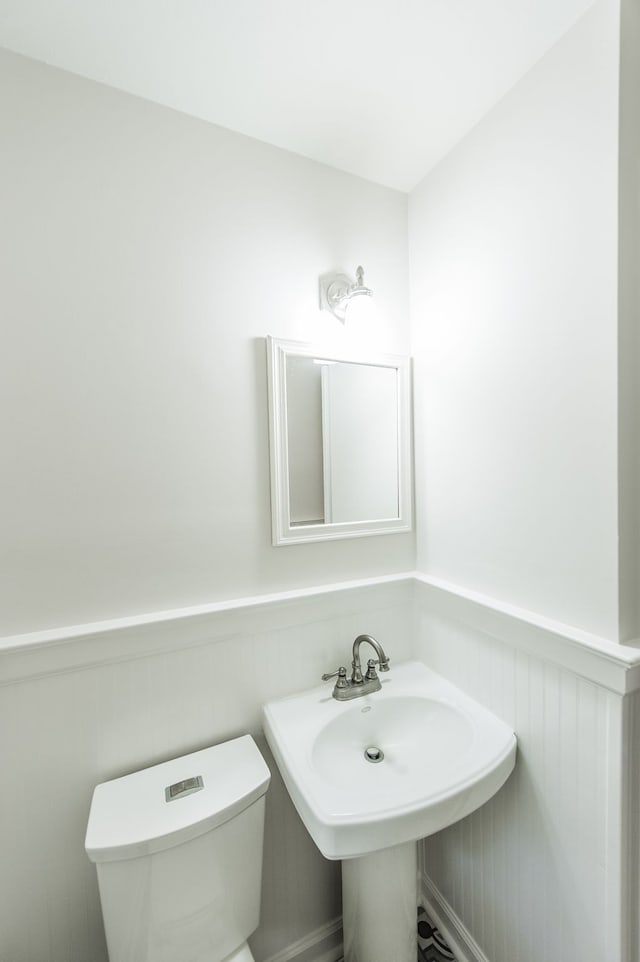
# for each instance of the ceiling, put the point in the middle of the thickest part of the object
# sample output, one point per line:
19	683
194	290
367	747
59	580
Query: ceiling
379	88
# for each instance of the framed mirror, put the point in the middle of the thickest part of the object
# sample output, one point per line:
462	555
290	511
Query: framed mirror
340	443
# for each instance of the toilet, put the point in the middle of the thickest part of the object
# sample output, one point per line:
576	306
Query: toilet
178	852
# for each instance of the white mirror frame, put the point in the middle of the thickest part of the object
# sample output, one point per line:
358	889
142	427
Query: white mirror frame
283	532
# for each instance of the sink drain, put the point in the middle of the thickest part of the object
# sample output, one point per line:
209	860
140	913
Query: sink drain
373	754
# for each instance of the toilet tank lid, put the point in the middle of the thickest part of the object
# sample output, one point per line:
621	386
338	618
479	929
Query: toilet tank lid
131	816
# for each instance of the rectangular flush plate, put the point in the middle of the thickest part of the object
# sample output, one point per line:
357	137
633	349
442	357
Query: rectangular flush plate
184	788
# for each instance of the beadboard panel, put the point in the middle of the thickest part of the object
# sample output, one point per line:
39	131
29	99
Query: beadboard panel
535	875
63	732
631	826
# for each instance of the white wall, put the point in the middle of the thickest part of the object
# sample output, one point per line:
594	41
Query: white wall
522	422
513	249
629	323
145	255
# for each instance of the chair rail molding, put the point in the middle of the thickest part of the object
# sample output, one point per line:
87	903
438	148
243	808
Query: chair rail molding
600	660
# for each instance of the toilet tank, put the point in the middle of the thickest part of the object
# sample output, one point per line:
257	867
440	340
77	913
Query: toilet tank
178	852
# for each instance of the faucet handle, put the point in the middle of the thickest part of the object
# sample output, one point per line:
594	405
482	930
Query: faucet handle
342	677
371	674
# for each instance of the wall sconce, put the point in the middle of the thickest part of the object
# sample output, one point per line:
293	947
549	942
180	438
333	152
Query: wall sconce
337	290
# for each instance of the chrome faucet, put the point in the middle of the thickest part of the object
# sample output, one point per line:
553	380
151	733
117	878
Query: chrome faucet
358	684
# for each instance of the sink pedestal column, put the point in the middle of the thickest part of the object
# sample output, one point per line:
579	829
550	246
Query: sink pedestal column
379	904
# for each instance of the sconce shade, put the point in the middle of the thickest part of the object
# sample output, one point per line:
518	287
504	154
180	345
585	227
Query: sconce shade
337	290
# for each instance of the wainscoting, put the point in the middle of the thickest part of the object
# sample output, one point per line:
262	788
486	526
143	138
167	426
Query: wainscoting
84	705
542	871
558	843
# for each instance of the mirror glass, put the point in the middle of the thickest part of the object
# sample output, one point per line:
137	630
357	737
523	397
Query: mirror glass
339	441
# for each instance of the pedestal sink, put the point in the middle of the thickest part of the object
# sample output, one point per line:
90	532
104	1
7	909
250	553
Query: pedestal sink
371	776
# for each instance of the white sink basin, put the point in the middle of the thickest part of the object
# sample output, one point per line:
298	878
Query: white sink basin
443	756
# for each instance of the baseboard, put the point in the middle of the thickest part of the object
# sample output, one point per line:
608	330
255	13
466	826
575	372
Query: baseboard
459	938
322	945
325	943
